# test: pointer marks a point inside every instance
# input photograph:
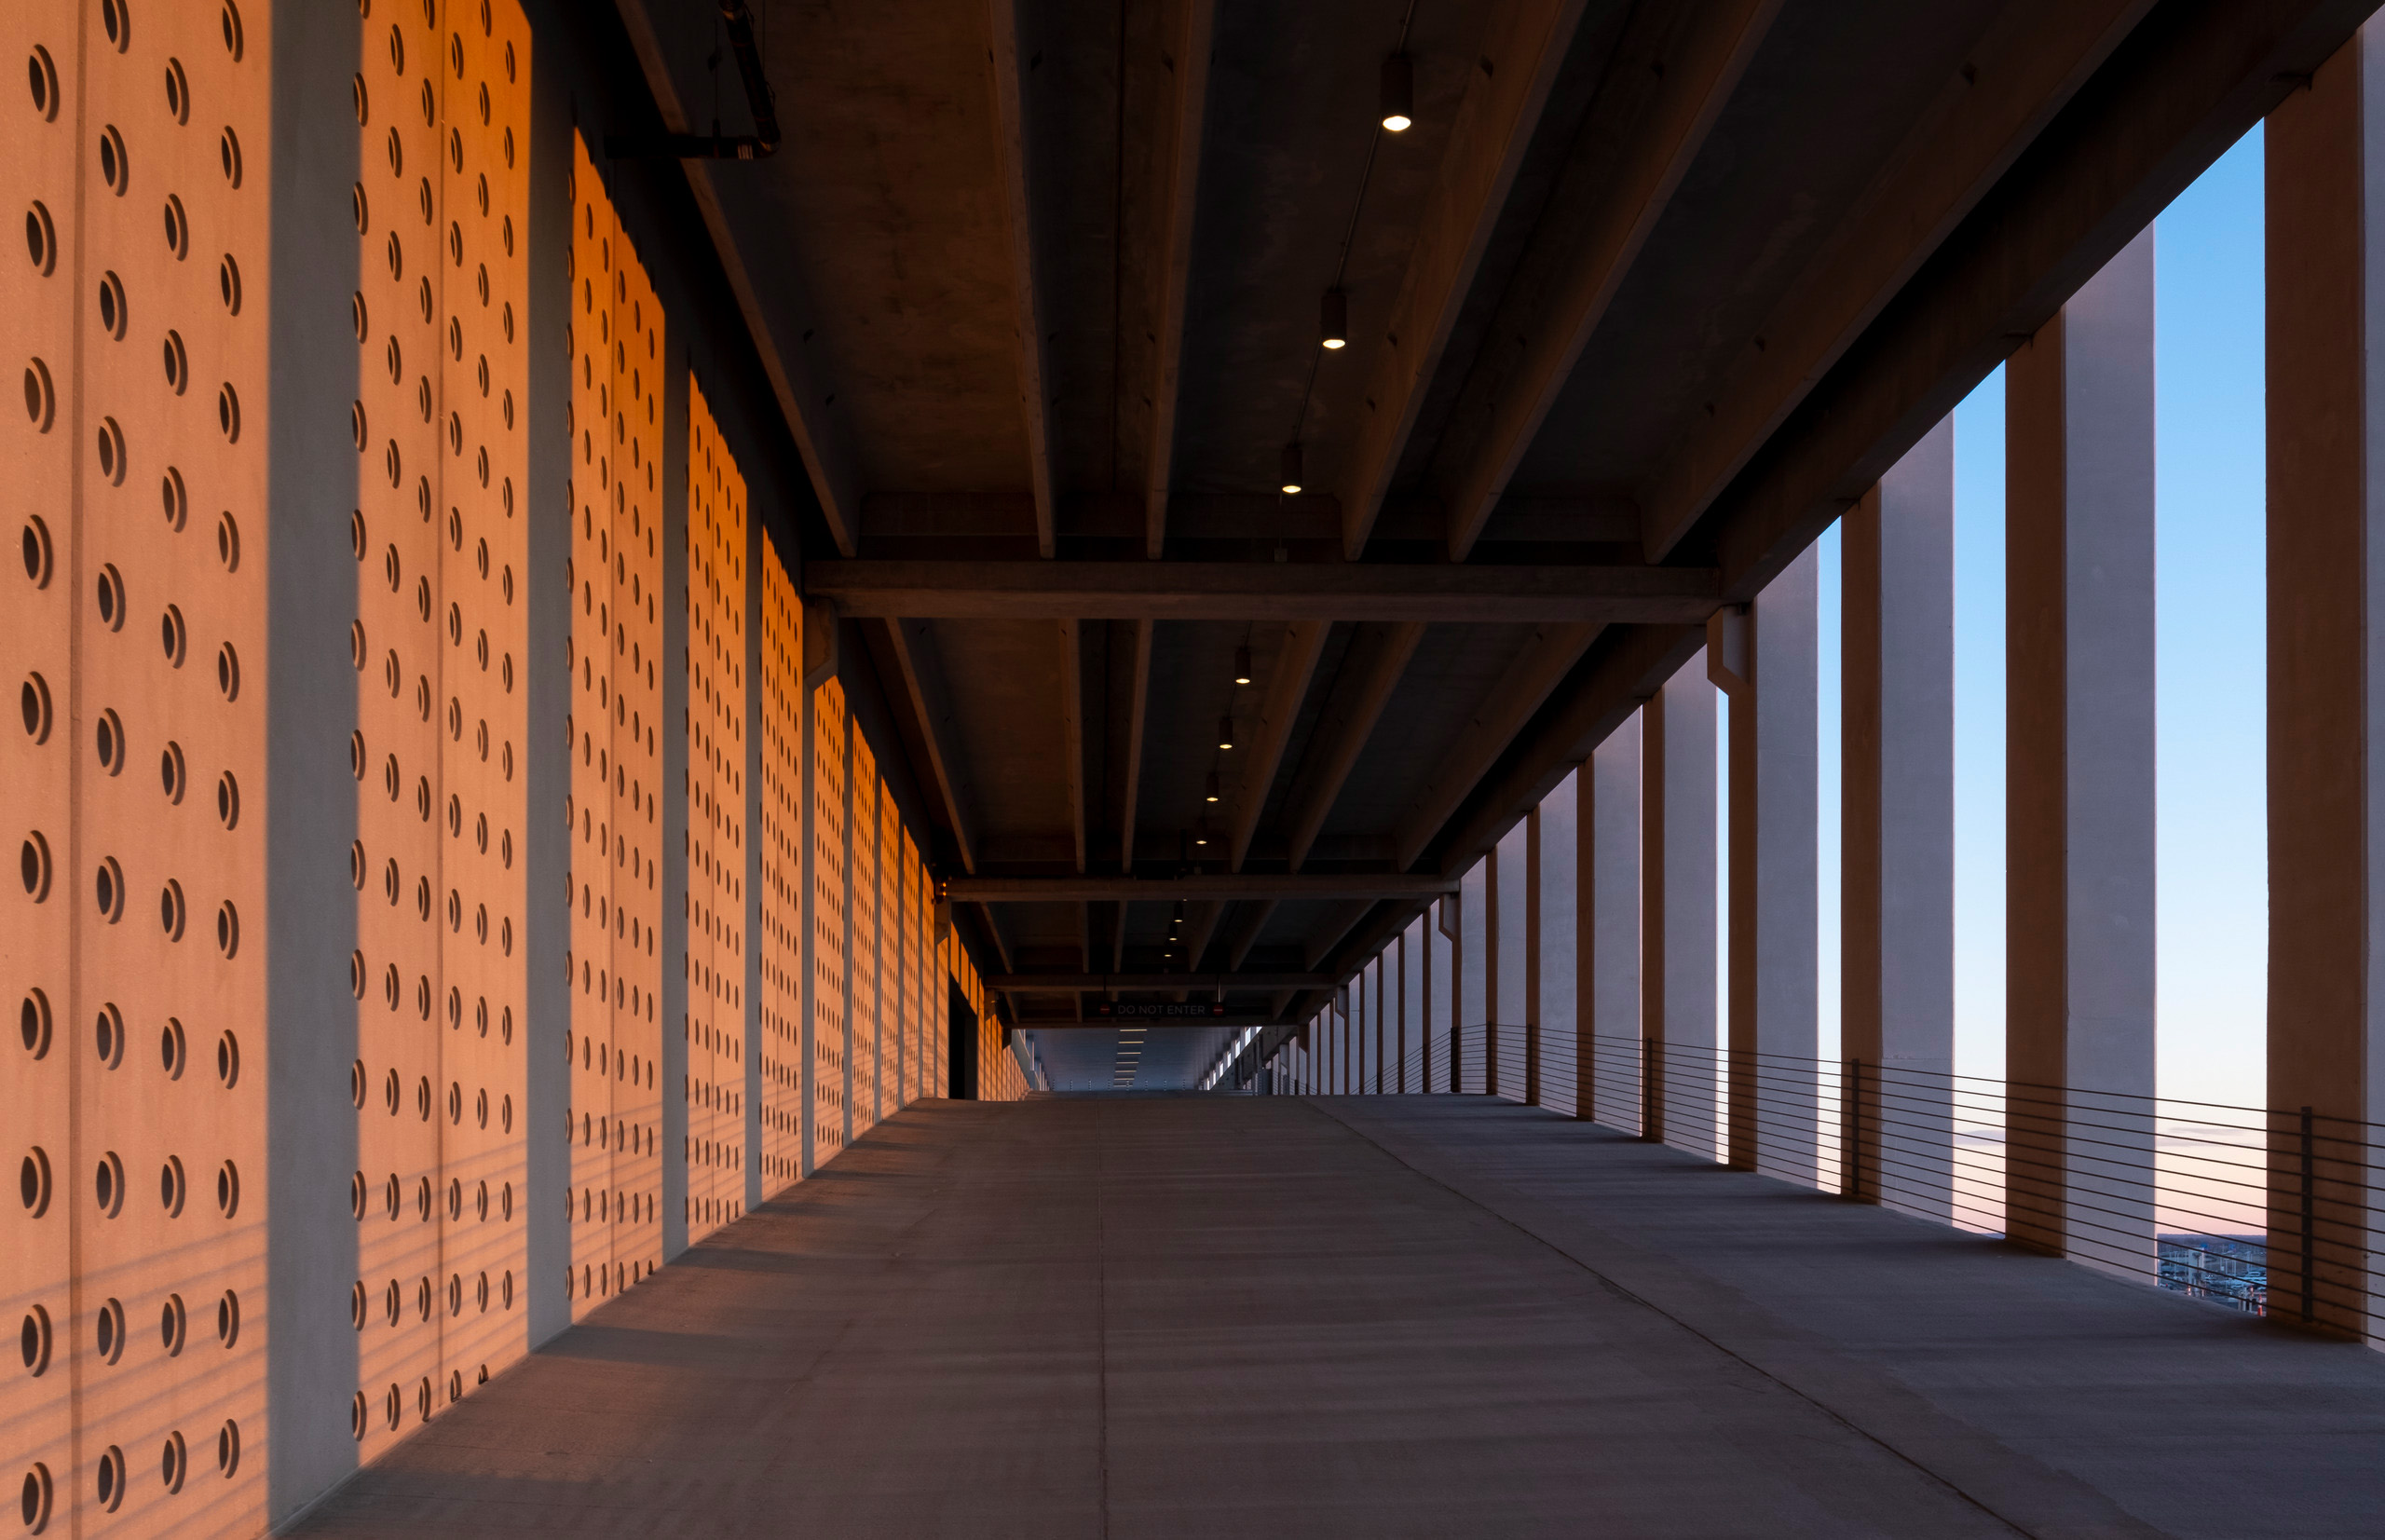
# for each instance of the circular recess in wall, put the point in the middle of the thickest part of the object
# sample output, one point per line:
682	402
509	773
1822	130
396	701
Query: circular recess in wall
35	1340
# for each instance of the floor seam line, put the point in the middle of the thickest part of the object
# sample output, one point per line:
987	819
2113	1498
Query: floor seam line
1650	1305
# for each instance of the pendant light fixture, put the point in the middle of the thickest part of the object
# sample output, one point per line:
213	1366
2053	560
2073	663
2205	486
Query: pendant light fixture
1225	731
1292	467
1242	664
1399	93
1209	793
1333	320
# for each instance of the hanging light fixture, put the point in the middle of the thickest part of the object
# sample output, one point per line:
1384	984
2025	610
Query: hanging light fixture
1225	732
1333	320
1292	467
1242	665
1399	93
1209	791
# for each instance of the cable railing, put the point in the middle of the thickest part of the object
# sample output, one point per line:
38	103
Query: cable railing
2276	1211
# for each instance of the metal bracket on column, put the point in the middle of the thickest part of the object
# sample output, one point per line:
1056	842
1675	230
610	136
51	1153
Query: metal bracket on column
819	642
1730	651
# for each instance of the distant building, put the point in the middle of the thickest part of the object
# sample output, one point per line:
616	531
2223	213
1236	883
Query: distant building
2233	1270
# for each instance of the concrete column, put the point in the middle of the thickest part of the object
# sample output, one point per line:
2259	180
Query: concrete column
1678	919
1496	997
2079	523
1562	1068
984	1065
1763	658
750	849
1607	1025
1897	893
2325	150
1399	1013
1430	943
1532	876
1451	927
1471	1005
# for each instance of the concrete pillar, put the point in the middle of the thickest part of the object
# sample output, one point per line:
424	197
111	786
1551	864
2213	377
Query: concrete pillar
1420	1001
1562	1070
1451	926
1897	894
1763	657
1471	1005
1496	998
2325	149
1607	1025
1532	876
2078	427
1678	919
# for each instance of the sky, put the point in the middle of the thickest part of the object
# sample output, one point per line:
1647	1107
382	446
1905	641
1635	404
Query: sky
2211	897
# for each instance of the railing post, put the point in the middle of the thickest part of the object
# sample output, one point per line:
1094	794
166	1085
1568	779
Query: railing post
1850	1131
2309	1205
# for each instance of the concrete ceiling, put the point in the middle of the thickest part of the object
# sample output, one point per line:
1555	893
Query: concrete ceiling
1647	285
1103	1058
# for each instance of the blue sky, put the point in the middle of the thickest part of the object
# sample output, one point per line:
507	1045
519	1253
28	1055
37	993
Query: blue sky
2213	894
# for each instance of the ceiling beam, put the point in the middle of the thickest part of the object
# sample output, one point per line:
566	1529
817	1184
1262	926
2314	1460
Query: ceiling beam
2177	92
923	669
1265	591
1337	924
1494	124
1625	669
1034	363
1072	731
1249	921
1700	55
1166	890
1295	665
1229	980
2020	73
1204	916
1137	710
1546	658
1379	657
778	315
2182	88
1182	198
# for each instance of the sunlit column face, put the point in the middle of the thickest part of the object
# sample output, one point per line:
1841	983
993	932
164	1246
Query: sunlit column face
134	634
617	771
717	692
785	1078
442	647
829	808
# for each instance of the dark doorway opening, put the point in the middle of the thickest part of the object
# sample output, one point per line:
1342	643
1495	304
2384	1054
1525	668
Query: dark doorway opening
963	1039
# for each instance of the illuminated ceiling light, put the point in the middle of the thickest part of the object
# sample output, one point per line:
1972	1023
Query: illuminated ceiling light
1241	671
1225	731
1399	93
1291	468
1333	320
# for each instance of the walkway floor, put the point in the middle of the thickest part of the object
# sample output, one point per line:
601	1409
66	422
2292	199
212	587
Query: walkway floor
1444	1316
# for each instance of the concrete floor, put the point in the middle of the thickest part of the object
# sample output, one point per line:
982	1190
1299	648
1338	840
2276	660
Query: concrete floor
1376	1318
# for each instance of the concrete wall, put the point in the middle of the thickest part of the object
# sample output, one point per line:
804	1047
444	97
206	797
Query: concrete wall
453	970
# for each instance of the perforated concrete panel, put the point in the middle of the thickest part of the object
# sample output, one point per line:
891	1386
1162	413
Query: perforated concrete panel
781	827
830	806
134	1261
441	646
718	694
615	1044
